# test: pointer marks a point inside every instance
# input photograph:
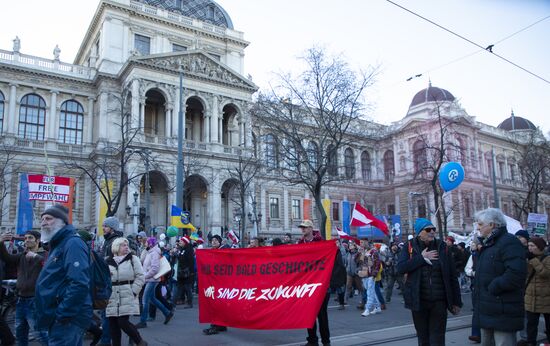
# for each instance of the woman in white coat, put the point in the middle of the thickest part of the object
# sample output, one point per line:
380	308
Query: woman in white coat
127	278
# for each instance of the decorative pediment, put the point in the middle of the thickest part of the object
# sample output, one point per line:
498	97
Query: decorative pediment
198	64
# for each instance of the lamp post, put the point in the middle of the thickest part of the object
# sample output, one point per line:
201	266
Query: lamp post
145	155
237	217
179	167
134	212
254	218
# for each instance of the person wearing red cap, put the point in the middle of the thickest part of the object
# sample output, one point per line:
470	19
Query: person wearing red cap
185	270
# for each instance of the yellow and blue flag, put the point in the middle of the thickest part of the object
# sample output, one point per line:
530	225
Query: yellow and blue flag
180	218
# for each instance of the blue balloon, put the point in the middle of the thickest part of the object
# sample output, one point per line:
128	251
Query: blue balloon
451	175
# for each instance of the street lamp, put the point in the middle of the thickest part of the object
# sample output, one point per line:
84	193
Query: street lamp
237	217
134	212
254	218
145	155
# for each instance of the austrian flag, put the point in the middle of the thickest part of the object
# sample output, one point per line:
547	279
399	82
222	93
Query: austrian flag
362	217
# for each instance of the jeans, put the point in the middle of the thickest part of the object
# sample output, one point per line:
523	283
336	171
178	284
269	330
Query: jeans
65	334
430	323
378	290
372	300
322	318
491	337
149	297
174	292
533	324
25	319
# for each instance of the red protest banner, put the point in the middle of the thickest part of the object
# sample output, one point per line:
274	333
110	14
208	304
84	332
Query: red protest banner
275	287
49	188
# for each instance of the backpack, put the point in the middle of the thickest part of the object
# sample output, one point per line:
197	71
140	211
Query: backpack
100	281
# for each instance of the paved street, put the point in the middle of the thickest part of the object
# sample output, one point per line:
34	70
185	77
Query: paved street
348	327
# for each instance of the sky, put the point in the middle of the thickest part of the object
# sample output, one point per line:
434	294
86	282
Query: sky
365	32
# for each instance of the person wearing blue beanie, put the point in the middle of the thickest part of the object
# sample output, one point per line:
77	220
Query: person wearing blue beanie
422	223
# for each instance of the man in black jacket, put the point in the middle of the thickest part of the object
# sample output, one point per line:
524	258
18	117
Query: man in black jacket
431	285
6	336
29	264
501	271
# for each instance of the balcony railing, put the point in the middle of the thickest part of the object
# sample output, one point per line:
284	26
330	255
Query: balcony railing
45	64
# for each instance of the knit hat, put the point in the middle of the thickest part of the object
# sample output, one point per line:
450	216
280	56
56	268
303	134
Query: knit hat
35	234
151	241
539	242
185	239
522	233
111	222
451	239
142	234
422	223
59	212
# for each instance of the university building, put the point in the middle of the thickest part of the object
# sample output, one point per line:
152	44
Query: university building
126	79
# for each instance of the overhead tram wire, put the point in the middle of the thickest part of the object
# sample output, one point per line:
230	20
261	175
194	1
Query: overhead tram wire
477	51
472	42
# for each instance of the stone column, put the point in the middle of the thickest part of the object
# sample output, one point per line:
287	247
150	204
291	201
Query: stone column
135	111
286	208
90	124
168	122
86	213
215	205
248	132
53	118
12	106
214	120
142	114
260	205
207	119
102	121
5	203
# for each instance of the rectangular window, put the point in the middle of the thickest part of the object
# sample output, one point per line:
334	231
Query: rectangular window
391	209
421	208
512	173
501	170
335	211
142	44
467	208
178	48
274	207
296	209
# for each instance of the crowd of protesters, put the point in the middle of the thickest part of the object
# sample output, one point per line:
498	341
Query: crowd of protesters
508	277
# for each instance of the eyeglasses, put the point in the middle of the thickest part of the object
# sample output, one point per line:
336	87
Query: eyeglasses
431	229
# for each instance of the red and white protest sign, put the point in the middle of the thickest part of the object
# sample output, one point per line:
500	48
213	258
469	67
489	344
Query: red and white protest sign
49	188
273	287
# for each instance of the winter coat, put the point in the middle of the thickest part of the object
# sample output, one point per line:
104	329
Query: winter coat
351	264
537	293
127	278
28	269
411	263
151	264
499	281
186	265
338	276
63	288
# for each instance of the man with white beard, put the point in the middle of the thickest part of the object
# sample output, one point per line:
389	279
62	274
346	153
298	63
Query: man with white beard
63	301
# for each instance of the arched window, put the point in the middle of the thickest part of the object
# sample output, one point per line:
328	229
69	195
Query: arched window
332	160
32	117
313	154
349	162
365	166
70	122
271	151
389	166
461	151
1	111
420	157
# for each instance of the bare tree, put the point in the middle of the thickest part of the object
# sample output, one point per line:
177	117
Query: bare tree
8	167
534	166
107	166
244	171
310	118
429	157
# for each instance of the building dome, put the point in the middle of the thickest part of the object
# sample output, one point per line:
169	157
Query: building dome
206	10
514	123
431	94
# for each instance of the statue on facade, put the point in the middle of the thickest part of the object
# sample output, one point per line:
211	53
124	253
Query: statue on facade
16	44
56	52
